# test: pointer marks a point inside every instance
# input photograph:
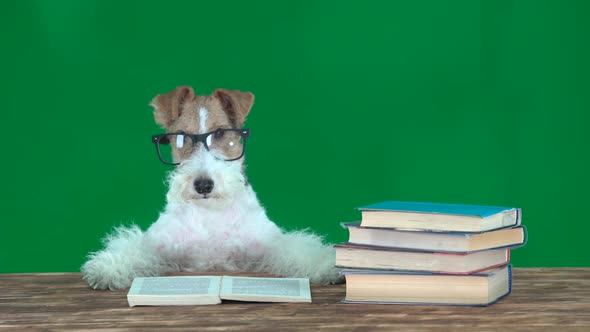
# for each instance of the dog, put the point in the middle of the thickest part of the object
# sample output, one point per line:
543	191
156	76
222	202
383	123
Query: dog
212	220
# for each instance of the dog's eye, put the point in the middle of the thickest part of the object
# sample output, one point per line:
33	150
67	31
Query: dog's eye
219	134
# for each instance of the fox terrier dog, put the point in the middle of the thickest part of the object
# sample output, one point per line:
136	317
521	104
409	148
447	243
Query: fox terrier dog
212	220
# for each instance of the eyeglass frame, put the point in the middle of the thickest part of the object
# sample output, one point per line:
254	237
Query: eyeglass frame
196	138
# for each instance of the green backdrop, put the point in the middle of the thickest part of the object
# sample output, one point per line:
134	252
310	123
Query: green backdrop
475	102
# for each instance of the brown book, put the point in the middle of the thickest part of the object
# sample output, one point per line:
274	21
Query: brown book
371	257
395	287
436	241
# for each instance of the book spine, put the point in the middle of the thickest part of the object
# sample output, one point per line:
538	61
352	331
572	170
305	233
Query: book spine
509	279
518	217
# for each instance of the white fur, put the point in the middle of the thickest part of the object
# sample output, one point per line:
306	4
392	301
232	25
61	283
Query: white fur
202	120
227	231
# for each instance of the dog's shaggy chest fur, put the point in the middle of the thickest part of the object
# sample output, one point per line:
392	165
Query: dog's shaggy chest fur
220	228
232	237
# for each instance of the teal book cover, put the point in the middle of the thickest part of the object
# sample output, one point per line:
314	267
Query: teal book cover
482	211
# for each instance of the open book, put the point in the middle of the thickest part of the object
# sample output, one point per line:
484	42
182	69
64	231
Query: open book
194	290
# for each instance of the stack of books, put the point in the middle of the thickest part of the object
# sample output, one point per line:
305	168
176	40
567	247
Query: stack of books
430	253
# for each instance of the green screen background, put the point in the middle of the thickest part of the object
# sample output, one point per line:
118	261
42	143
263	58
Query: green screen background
474	102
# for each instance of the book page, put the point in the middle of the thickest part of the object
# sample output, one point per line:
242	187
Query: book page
265	289
189	285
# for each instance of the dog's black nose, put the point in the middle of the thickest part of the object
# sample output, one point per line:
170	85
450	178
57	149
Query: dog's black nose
203	185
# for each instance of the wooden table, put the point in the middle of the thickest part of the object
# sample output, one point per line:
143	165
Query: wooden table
542	300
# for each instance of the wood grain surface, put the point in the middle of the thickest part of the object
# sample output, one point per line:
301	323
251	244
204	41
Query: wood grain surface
543	299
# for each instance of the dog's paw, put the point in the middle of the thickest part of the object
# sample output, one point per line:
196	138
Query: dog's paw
335	277
330	275
104	271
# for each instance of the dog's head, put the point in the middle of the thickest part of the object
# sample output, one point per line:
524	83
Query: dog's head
205	141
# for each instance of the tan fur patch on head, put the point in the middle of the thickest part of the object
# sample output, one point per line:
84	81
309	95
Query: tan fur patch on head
190	120
236	104
169	106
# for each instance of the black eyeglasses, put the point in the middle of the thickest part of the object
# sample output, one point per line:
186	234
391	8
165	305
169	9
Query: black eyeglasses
224	144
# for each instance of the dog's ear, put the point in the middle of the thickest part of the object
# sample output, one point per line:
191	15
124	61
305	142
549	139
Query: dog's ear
168	106
236	104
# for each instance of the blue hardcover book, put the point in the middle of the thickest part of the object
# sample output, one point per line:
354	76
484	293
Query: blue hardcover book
398	287
439	216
